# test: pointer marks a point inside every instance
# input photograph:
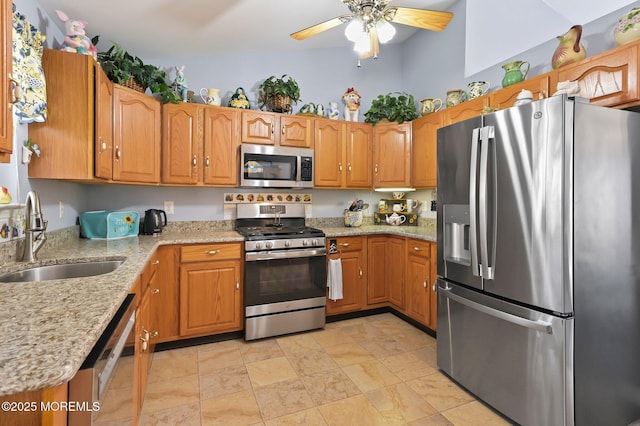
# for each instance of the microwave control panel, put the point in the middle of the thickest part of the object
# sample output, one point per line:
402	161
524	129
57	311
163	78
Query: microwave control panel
306	169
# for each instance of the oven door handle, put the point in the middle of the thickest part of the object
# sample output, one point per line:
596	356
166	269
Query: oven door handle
285	254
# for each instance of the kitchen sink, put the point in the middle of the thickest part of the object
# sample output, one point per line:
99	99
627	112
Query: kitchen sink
62	271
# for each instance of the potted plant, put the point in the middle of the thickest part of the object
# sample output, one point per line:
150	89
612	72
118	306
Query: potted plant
278	94
397	106
128	70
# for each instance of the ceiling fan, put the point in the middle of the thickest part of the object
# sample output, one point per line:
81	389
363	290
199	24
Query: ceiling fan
369	24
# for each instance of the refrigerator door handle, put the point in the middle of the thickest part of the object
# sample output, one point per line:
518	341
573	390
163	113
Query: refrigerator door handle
539	325
486	133
473	203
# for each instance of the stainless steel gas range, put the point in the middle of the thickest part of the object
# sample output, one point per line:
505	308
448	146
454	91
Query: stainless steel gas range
285	270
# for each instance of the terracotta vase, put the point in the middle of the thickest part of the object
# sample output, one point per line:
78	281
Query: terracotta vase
570	49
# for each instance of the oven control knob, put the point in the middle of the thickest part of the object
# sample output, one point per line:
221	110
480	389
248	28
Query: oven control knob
268	244
287	243
258	246
314	242
305	242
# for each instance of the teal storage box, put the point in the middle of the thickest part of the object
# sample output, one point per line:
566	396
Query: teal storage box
109	225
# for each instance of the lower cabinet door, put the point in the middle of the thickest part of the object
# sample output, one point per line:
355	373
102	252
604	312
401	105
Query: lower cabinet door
210	298
353	285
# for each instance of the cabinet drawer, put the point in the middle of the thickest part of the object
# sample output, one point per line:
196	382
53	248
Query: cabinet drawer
419	248
349	243
204	252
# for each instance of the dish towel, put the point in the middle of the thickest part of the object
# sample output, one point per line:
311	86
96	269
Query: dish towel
334	279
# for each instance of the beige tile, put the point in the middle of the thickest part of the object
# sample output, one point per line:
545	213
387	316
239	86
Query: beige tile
356	410
399	404
331	337
223	382
282	398
259	350
349	354
171	393
238	408
429	355
270	371
310	417
233	343
433	420
370	375
408	366
297	343
329	386
310	362
474	413
412	338
187	415
439	391
351	322
168	365
362	331
215	359
383	346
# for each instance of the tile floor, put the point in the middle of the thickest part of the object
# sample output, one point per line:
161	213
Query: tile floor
376	370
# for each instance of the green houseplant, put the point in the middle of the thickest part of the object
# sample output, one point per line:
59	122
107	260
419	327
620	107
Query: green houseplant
396	106
278	94
128	70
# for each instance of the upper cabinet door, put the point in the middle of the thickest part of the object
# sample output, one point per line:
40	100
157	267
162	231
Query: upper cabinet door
104	125
221	141
423	150
259	127
465	110
181	143
392	155
359	155
296	131
136	136
6	117
328	153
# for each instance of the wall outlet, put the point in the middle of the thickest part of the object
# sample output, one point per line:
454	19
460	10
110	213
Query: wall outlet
168	207
60	210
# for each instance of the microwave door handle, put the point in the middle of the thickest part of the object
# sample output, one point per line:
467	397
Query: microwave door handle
299	168
486	134
473	205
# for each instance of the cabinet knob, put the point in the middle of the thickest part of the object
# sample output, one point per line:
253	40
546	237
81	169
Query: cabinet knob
434	286
155	262
212	252
416	248
272	128
237	285
340	167
103	145
154	334
118	154
345	244
360	272
155	291
282	131
375	169
207	161
349	167
195	160
424	284
145	344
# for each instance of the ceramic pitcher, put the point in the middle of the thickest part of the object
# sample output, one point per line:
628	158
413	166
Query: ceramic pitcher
478	88
210	96
455	97
430	105
513	72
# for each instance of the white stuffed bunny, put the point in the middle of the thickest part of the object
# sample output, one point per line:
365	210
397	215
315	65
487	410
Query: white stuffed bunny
76	40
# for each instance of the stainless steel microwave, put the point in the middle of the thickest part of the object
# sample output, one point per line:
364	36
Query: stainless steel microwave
268	166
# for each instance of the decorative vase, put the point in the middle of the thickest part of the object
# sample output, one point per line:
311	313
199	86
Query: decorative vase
513	72
211	96
239	99
570	49
478	88
334	112
455	97
628	28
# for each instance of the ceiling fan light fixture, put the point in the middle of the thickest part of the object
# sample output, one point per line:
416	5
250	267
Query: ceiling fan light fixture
354	30
385	30
363	44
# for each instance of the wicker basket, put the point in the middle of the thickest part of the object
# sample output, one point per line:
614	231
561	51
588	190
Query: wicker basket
280	103
132	83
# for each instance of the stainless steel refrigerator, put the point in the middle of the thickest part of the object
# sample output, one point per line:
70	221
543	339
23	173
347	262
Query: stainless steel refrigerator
539	261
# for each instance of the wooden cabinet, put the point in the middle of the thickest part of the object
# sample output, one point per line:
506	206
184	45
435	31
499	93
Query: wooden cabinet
392	155
199	145
103	120
164	291
6	92
210	292
378	270
270	128
343	154
354	275
433	302
465	110
540	87
396	274
25	416
136	137
424	161
143	349
418	269
608	79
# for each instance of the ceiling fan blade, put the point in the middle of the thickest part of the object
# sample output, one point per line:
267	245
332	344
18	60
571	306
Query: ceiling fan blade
374	50
421	18
323	26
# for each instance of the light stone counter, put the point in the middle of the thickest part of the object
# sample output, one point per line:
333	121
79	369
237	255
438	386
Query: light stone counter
48	328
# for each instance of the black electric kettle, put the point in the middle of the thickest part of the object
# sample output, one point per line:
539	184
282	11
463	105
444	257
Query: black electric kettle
154	221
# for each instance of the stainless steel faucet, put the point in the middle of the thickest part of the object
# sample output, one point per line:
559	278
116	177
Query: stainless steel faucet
35	224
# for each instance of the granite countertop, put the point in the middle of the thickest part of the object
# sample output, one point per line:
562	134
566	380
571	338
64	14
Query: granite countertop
48	328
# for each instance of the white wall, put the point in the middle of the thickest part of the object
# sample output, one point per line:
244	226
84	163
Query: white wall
427	65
